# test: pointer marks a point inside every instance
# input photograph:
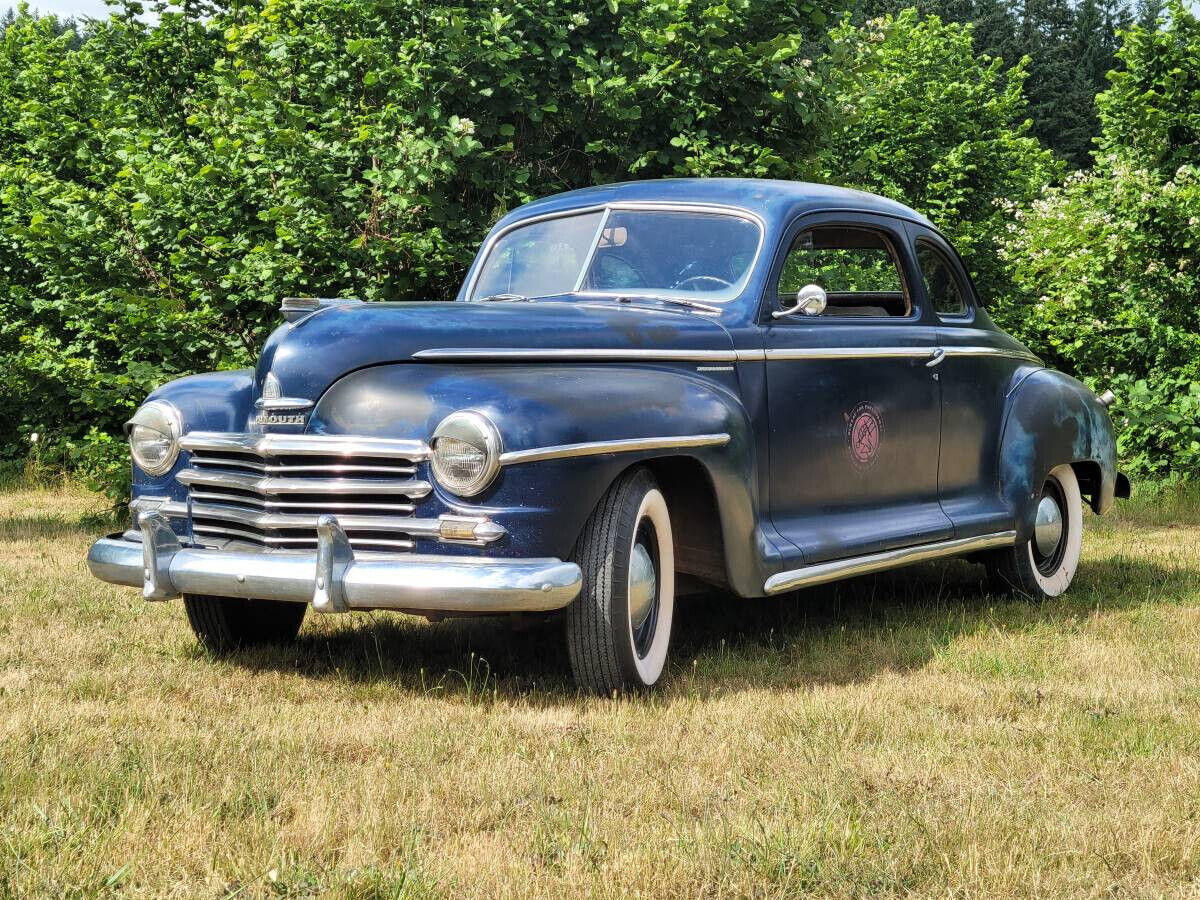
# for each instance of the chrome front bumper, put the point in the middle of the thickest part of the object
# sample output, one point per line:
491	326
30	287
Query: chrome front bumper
333	579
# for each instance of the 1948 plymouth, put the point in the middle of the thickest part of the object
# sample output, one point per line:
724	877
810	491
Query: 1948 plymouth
751	384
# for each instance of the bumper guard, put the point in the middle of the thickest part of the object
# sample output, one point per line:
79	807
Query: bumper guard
333	579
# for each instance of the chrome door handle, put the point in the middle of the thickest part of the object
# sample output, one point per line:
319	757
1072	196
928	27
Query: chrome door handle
936	356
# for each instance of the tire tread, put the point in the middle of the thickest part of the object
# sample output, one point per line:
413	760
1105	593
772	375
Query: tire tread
589	619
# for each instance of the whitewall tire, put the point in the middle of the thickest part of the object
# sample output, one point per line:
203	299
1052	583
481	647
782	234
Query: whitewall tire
619	627
1045	565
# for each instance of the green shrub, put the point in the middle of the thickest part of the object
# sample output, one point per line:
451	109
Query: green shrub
163	186
1107	268
923	119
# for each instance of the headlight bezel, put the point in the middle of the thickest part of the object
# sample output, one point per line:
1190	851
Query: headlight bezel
475	429
163	419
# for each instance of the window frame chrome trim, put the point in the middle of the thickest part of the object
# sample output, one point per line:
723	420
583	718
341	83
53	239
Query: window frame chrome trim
649	205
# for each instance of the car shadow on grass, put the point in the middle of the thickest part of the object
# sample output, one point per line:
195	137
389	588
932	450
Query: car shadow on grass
834	634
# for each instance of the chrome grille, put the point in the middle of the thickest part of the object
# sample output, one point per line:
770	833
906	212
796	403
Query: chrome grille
269	490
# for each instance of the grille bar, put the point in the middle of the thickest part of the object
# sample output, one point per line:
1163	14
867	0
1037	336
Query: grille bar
270	489
303	445
295	542
322	506
267	485
329	468
267	520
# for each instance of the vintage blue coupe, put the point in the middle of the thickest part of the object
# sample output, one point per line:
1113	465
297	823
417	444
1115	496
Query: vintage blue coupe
751	384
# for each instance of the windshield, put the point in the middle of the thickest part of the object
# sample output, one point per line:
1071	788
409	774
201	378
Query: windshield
645	252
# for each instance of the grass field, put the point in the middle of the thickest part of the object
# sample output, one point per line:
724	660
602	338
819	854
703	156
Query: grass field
907	734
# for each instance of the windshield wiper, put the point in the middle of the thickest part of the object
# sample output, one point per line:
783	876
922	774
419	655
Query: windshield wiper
503	298
690	304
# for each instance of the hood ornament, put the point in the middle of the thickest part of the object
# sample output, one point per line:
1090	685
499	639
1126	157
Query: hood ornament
272	405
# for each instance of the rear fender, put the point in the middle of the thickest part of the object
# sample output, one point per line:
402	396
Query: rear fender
1052	419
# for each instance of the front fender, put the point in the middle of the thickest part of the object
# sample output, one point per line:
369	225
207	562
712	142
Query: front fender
1052	419
213	401
544	504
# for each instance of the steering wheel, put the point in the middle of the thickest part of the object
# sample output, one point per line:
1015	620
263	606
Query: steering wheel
703	279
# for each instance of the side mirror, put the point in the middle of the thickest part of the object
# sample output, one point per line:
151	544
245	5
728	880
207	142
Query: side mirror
811	301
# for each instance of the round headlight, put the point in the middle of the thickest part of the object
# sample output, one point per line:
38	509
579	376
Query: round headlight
154	437
466	453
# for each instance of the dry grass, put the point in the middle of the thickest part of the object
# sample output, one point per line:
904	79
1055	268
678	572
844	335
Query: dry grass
901	735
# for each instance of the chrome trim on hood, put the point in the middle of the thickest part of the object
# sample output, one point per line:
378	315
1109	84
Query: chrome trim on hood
473	354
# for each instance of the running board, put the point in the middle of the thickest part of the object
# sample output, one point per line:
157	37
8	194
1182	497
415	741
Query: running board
820	573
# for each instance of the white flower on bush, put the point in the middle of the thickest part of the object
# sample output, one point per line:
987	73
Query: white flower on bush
33	438
462	126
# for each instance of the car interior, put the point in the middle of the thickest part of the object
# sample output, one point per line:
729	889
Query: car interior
858	268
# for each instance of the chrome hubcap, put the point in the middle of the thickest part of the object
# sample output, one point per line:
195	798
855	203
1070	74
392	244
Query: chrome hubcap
643	586
1047	527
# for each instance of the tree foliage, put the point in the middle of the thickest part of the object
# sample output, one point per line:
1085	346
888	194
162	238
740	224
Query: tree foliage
1069	47
163	184
922	118
1108	265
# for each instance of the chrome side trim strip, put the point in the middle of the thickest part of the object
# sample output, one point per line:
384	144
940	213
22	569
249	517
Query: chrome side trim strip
471	354
594	448
922	352
1010	353
244	482
928	351
820	573
304	444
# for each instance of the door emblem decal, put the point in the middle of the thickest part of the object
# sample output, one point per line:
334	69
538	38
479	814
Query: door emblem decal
864	433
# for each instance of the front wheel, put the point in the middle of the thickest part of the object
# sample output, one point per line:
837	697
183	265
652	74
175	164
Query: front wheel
225	623
1044	565
619	627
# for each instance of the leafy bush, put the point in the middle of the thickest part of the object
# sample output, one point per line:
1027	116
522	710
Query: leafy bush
161	187
923	119
1107	267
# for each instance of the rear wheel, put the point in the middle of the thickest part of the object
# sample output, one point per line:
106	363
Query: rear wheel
619	627
1044	565
227	623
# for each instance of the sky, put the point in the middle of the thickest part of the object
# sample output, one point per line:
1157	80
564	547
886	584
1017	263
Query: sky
65	9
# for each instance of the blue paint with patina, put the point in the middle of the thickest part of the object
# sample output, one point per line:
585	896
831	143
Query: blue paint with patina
962	447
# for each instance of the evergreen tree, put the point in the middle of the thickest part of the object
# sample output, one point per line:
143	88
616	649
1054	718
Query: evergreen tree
1071	45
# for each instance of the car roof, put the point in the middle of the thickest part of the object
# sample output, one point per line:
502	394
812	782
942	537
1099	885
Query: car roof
776	202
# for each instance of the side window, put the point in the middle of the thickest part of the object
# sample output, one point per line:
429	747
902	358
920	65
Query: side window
946	291
857	267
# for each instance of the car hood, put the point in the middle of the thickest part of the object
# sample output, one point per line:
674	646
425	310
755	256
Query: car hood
310	355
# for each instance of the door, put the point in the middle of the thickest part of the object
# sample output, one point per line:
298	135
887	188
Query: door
981	366
853	400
